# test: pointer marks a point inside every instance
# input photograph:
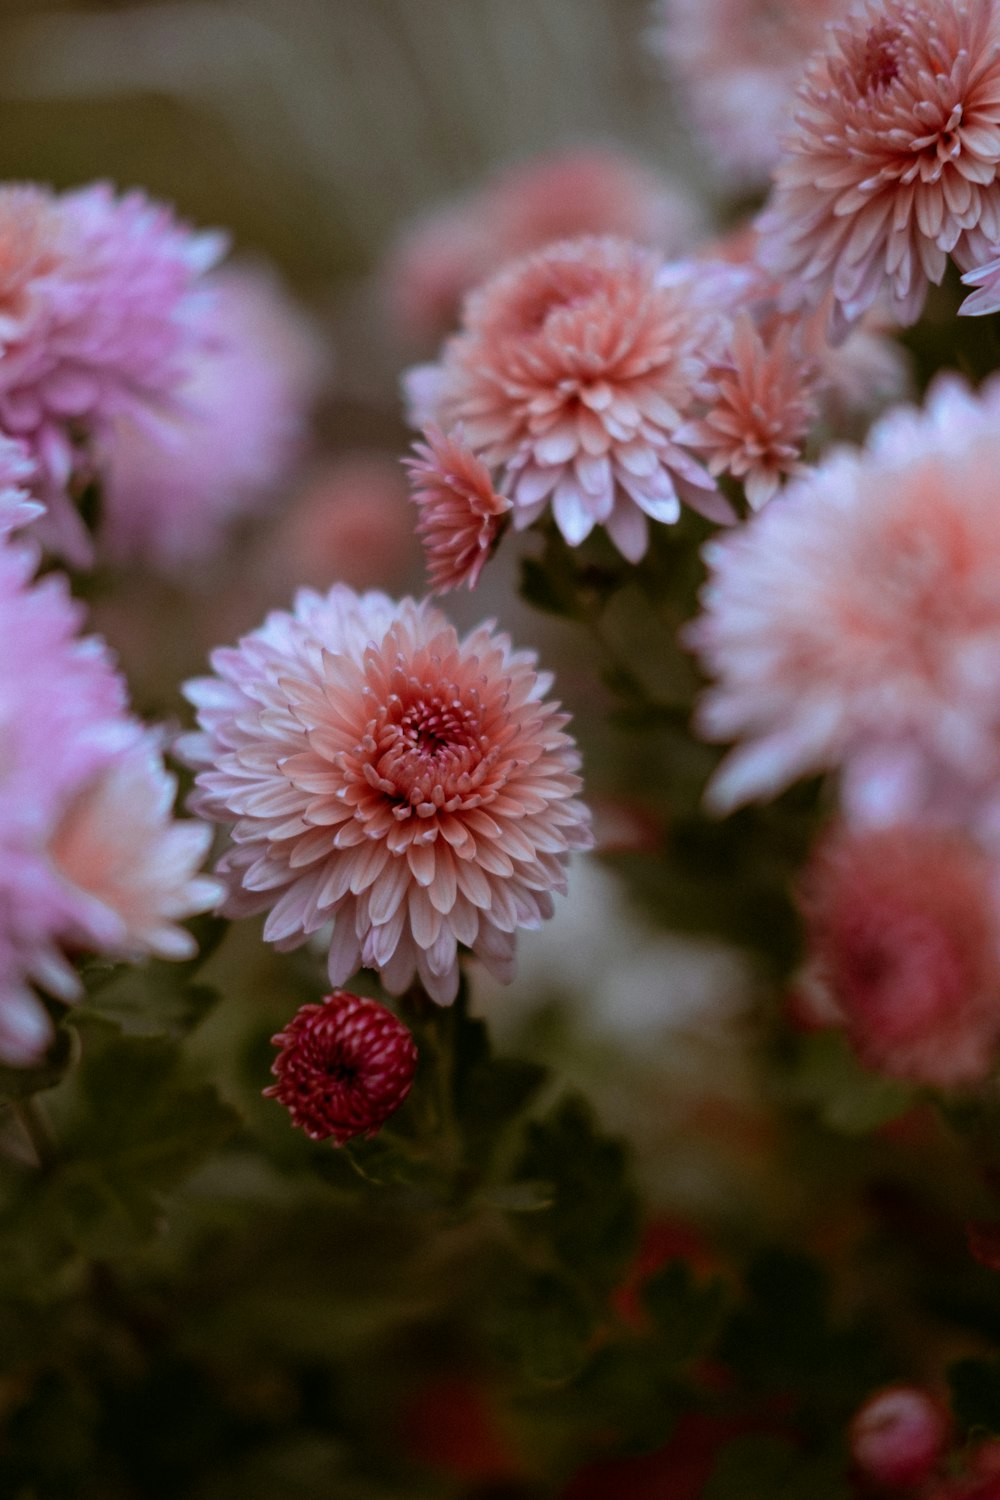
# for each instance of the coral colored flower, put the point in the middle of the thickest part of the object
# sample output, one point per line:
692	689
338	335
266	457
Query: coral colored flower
855	622
764	406
71	880
902	930
233	432
575	369
461	514
891	165
377	771
344	1067
100	308
899	1436
738	63
585	190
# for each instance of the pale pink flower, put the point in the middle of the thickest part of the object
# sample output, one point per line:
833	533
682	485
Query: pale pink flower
232	434
100	307
118	843
902	929
582	190
69	762
574	371
461	515
891	165
764	407
377	771
855	622
738	63
987	298
899	1436
17	508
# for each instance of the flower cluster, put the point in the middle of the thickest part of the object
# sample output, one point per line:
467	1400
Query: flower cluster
90	857
128	364
415	789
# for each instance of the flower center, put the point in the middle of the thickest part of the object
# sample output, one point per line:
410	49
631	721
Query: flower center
879	61
429	753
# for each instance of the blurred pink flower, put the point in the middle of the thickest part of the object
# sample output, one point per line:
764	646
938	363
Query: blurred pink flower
344	1067
379	772
899	1436
856	621
764	406
574	371
891	164
461	514
987	298
100	307
17	508
738	63
234	429
583	190
68	744
902	929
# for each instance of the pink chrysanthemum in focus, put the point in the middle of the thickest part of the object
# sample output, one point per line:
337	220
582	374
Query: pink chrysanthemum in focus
584	190
855	622
234	429
891	165
461	515
100	308
574	371
902	929
764	407
70	880
378	772
899	1436
344	1067
738	63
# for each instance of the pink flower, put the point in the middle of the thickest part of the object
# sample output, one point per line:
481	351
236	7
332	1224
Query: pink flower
461	515
855	622
100	307
118	843
17	508
574	371
344	1067
233	432
891	164
377	771
584	190
899	1436
764	407
72	758
902	930
738	63
987	298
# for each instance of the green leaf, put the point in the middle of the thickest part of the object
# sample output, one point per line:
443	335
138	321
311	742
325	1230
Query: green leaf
828	1076
687	1313
975	1393
21	1083
591	1226
157	998
545	1327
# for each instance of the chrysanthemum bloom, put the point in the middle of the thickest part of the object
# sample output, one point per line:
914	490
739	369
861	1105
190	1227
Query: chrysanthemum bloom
987	298
17	508
344	1067
855	622
461	515
100	307
738	63
377	771
891	165
902	928
899	1436
88	858
233	432
575	369
764	406
584	190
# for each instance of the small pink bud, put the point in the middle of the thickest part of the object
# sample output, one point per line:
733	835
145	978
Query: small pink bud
344	1067
898	1436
